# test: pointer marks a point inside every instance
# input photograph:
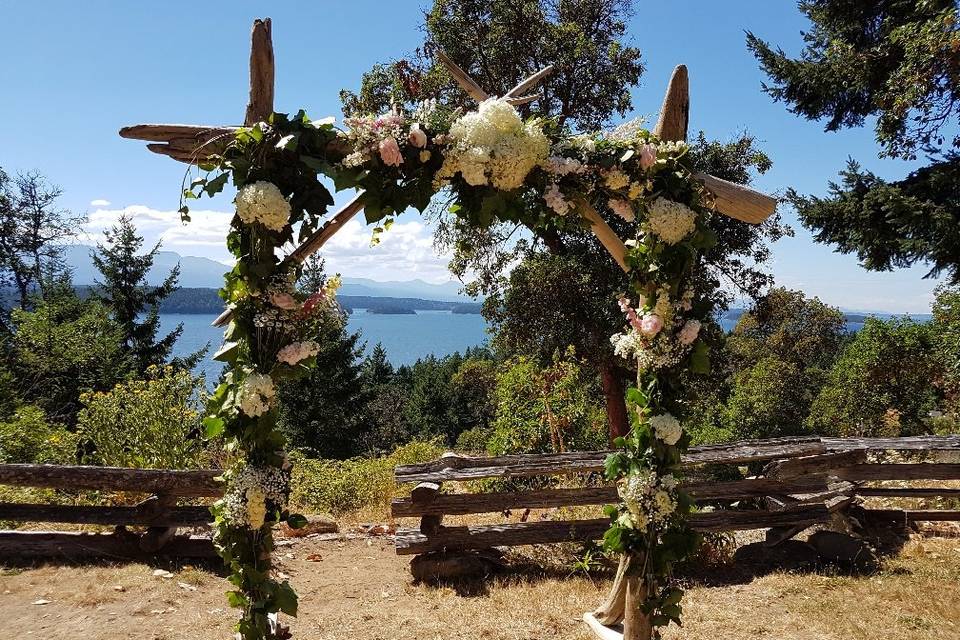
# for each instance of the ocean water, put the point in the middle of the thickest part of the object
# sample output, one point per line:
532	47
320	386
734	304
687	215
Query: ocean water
405	337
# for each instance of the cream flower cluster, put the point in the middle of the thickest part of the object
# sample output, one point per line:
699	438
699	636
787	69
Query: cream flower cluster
262	202
657	335
371	136
556	200
297	352
650	499
256	394
671	221
493	146
252	492
666	428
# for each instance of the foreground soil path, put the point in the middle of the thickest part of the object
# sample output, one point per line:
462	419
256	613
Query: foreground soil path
360	590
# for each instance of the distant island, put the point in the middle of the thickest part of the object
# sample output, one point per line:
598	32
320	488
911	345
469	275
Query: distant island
206	300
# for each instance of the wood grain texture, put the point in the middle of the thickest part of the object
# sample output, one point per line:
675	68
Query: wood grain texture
607	236
908	492
920	471
468	503
675	111
738	201
411	541
932	444
196	483
51	544
460	76
816	464
260	105
464	468
529	82
187	516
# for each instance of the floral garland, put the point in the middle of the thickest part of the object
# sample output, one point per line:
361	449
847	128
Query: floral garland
496	167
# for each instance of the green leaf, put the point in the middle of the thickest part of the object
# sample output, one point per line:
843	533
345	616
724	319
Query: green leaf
296	521
228	352
216	185
700	358
212	426
286	599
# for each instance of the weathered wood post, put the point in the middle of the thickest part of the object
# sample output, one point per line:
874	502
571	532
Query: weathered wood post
629	585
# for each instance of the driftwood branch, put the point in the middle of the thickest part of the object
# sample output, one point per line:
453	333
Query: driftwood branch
737	201
466	82
607	236
529	83
260	106
675	112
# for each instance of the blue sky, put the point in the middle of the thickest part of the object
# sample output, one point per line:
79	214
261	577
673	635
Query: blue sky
75	72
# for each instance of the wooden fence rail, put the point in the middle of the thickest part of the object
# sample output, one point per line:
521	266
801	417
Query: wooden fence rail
159	512
806	481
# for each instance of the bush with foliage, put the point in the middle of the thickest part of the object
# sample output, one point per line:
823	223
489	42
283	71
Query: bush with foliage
547	409
27	437
151	423
882	384
345	486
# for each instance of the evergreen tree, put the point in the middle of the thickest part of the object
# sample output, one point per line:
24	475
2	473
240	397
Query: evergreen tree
323	412
894	62
377	370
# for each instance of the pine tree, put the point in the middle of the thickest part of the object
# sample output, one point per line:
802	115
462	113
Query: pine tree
133	304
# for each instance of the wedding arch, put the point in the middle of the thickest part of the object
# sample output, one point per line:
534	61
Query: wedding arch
496	167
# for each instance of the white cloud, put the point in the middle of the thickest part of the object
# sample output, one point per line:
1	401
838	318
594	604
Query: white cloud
405	251
99	203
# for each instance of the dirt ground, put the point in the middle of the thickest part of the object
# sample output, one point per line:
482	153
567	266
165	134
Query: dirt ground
361	590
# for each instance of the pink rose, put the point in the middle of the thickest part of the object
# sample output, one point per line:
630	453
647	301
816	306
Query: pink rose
390	152
284	301
648	155
689	332
417	137
650	325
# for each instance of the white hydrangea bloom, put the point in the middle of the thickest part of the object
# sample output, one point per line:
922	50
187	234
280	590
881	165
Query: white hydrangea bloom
262	202
251	491
666	428
664	503
493	146
256	393
555	200
297	352
671	221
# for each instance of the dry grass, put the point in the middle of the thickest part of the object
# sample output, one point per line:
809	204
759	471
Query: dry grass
361	590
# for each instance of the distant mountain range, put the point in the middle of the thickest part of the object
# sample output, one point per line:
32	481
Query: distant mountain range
203	273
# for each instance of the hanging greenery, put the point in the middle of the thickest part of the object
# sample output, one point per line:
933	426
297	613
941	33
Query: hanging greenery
495	167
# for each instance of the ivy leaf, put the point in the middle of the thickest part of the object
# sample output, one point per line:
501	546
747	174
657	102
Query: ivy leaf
286	599
228	352
296	521
700	358
216	185
212	427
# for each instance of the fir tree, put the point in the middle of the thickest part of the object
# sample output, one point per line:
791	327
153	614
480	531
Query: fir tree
133	304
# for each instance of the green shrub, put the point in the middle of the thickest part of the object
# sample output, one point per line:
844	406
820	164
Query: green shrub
152	423
28	438
345	486
474	440
547	409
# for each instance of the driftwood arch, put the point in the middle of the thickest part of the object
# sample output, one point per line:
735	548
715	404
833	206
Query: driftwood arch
195	144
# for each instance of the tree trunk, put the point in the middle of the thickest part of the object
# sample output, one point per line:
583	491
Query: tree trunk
614	392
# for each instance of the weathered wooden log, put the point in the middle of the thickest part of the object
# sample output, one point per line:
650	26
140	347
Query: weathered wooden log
637	625
423	496
529	82
607	236
737	201
169	132
932	444
816	464
468	503
611	611
474	468
915	515
525	99
260	106
188	516
197	483
675	111
908	492
410	541
466	82
920	471
48	544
